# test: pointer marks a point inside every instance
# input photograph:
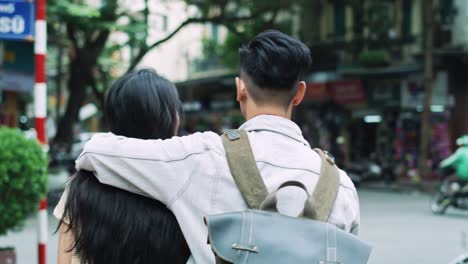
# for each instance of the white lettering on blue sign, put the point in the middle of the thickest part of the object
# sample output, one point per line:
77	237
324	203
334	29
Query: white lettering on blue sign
16	19
13	25
17	25
7	8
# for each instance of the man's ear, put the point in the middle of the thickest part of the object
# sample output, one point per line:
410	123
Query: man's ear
241	90
301	89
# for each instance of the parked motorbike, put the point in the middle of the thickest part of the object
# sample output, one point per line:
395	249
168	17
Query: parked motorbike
450	193
371	170
63	158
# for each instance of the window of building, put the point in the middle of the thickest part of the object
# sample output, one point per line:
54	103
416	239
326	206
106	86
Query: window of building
340	19
159	22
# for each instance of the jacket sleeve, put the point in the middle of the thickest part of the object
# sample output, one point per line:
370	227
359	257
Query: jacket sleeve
159	169
450	161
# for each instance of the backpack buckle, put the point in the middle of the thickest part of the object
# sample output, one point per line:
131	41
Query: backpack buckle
232	134
250	248
329	158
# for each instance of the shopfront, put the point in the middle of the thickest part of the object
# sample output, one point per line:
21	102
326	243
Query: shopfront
355	117
326	117
17	82
376	117
17	60
209	104
409	123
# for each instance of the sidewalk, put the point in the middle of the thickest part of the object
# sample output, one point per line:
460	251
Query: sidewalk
57	181
25	241
402	186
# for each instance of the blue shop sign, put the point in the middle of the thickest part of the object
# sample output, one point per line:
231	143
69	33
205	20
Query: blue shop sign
17	20
18	66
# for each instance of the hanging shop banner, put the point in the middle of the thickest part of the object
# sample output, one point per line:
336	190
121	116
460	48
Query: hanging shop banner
17	20
18	66
316	92
412	91
348	91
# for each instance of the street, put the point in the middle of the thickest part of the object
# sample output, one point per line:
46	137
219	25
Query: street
403	230
399	225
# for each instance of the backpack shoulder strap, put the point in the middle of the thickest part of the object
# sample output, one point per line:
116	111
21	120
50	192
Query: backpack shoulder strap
244	168
323	198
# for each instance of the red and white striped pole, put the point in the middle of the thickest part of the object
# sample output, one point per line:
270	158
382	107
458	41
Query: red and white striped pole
40	108
42	232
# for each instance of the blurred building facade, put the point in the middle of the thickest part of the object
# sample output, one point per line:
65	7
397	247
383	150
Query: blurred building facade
365	89
174	58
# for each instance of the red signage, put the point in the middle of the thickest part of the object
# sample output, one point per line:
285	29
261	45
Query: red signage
316	91
350	91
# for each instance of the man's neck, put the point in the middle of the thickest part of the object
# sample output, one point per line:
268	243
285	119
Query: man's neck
268	110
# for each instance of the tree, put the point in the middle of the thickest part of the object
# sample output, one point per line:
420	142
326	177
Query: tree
428	73
88	29
227	52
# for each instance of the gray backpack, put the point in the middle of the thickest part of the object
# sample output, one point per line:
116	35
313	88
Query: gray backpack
261	235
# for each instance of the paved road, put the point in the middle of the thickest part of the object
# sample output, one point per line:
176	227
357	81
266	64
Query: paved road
400	227
25	242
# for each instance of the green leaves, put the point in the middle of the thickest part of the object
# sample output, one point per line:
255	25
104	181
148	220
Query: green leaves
373	58
65	10
23	178
264	15
82	11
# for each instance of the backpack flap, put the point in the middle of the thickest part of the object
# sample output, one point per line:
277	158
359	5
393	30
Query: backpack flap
260	237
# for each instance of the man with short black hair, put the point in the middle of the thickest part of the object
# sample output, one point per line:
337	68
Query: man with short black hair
271	66
191	174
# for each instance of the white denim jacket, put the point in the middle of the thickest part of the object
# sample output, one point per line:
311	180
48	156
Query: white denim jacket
191	176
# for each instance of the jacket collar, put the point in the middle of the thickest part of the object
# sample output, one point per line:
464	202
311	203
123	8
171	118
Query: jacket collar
275	124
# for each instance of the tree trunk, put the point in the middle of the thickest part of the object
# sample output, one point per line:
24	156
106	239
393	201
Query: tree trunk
426	129
77	86
459	88
82	62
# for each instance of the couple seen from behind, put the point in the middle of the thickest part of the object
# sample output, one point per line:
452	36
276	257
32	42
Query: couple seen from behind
141	193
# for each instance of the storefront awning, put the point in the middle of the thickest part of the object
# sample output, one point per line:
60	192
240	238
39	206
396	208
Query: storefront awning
390	70
225	79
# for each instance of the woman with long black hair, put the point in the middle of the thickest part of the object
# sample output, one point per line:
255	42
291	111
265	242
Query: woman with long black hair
102	224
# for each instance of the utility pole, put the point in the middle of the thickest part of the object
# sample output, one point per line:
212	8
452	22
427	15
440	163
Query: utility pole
426	128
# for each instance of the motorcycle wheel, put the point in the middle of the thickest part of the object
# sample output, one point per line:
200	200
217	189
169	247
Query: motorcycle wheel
440	203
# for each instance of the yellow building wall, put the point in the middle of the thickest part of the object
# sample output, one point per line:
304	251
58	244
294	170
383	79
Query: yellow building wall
326	21
349	23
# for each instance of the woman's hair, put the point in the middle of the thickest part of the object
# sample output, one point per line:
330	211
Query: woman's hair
110	225
142	105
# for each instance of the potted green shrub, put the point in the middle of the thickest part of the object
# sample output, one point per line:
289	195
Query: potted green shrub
23	182
374	58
